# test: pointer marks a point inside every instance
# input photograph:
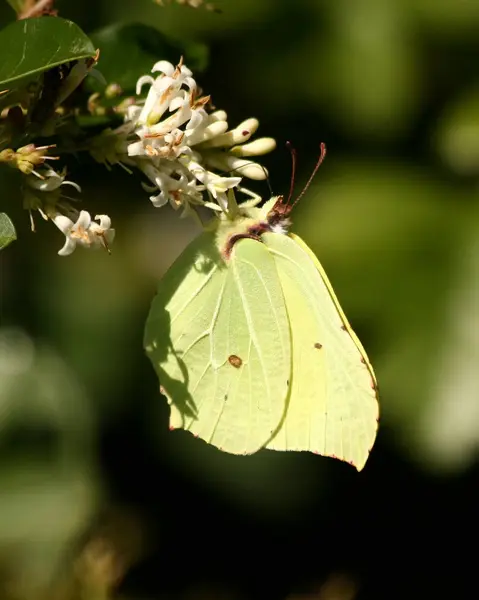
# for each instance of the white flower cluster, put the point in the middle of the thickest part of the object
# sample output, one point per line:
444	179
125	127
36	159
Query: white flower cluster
80	229
186	152
181	147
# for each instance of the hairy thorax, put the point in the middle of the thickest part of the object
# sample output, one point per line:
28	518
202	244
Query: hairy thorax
252	223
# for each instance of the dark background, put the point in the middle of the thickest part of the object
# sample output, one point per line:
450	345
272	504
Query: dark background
93	487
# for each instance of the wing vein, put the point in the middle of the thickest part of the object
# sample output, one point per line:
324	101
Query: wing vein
194	294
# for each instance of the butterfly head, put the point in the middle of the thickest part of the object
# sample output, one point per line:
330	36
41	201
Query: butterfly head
273	216
277	215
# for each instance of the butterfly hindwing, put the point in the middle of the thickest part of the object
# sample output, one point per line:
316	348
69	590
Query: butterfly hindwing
332	407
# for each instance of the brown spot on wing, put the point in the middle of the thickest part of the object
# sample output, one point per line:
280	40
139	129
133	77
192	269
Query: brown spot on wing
318	345
235	361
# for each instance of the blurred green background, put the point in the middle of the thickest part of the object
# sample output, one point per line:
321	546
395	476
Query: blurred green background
96	496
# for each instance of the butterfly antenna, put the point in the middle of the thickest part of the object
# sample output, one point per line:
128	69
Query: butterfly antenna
293	170
318	164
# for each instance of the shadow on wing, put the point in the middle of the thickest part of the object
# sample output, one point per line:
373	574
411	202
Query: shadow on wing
159	347
194	265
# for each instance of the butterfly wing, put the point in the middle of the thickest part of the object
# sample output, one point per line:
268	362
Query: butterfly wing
332	408
218	337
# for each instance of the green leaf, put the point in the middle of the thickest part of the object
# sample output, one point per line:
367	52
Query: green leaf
7	231
31	46
129	51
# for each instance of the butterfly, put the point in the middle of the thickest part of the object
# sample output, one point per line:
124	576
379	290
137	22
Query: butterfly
252	348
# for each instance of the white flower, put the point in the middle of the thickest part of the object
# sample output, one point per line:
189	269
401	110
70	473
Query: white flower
170	145
217	186
50	181
45	195
176	185
164	89
84	231
214	155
